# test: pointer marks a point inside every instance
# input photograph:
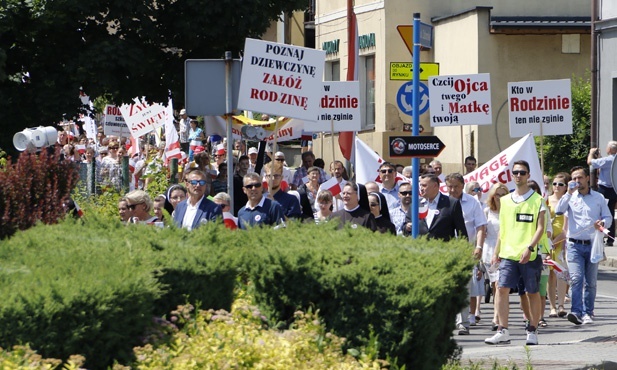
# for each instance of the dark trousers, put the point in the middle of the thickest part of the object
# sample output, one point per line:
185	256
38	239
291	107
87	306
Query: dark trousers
185	147
609	193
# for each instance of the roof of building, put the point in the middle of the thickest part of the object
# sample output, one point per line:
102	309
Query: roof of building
528	24
554	24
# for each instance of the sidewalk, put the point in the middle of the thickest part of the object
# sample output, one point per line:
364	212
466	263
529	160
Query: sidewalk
611	256
562	345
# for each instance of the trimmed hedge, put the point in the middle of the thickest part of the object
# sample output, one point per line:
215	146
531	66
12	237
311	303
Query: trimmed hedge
93	289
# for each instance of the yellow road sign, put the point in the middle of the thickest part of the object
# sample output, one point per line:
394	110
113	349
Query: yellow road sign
403	70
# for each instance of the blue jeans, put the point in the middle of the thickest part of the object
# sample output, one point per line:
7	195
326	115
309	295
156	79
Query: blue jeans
582	272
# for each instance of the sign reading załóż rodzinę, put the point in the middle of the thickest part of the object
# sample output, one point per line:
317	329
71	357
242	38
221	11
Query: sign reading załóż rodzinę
339	106
280	79
460	100
534	103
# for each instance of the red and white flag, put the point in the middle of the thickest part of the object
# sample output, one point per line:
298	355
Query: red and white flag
172	141
554	264
346	138
230	221
332	185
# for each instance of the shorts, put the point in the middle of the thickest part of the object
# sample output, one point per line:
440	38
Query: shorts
511	271
542	286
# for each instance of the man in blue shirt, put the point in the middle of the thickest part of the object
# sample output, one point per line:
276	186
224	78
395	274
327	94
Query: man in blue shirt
605	183
274	176
587	212
259	210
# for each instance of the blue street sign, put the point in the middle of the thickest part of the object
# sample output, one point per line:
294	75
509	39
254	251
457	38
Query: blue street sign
426	35
404	98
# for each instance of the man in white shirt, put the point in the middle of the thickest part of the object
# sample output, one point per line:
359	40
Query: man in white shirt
475	224
196	209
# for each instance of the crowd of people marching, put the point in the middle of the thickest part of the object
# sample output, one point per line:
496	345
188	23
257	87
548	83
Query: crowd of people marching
535	242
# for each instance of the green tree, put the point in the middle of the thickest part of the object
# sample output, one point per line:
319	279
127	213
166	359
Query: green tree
118	48
562	152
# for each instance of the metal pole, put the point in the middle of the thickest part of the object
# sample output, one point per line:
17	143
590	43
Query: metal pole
125	173
91	177
230	138
415	162
593	132
173	171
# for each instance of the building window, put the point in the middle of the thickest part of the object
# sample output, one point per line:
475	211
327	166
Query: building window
367	90
333	71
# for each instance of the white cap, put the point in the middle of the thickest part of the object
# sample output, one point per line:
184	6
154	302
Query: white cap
279	154
182	111
253	150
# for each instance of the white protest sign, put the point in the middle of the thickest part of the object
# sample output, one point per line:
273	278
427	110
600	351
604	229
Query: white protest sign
113	122
89	127
280	79
142	117
499	168
534	103
339	104
460	100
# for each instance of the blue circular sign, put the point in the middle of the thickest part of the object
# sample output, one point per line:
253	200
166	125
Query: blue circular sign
404	98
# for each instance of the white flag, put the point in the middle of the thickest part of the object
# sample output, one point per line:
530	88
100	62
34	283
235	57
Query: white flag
172	141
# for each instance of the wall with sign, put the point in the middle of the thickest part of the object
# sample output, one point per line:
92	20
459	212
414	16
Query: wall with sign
464	44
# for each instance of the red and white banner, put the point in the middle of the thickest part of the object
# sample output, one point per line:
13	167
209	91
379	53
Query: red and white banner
142	117
280	79
499	168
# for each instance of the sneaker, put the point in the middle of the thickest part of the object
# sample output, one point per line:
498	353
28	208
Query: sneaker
574	318
501	337
587	320
472	320
462	329
532	338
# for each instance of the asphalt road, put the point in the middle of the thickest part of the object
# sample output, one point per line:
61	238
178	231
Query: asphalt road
562	345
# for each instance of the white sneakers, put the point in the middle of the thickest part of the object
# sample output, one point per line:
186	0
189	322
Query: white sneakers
501	337
532	338
472	320
587	319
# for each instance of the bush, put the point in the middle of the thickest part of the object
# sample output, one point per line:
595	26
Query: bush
406	291
93	289
241	339
34	189
75	290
